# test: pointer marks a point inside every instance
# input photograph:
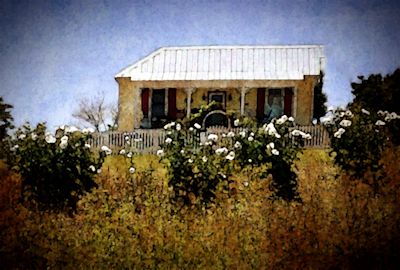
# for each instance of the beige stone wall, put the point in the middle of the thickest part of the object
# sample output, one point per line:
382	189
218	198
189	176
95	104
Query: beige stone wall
130	96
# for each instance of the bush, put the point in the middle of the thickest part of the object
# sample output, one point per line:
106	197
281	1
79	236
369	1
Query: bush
56	169
358	140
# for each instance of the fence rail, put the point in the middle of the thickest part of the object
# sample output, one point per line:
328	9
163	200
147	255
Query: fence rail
148	141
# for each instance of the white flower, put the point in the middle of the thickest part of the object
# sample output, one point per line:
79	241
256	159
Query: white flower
250	160
92	168
252	134
50	138
122	152
282	120
246	184
250	139
64	138
34	136
231	134
169	132
296	132
22	136
127	138
88	130
237	145
168	140
380	123
197	126
63	144
129	155
14	148
349	113
339	133
212	137
132	170
178	127
204	159
160	153
271	130
98	170
182	151
190	160
314	121
87	145
271	145
71	129
275	152
222	150
242	133
230	156
62	127
291	119
168	126
365	111
345	123
106	149
236	122
191	129
223	135
307	136
91	130
277	135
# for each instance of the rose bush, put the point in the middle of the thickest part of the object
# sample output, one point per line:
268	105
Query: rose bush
56	169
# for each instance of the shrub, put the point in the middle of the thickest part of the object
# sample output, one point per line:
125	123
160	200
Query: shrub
358	140
56	169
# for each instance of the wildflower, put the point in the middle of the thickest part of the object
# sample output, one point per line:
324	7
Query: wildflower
380	123
160	153
122	152
236	122
22	136
14	148
106	150
230	156
348	113
314	121
190	160
204	159
250	160
92	168
182	151
170	125
291	119
271	145
282	120
64	138
237	145
338	134
345	123
129	155
213	137
98	170
223	135
307	136
222	150
231	134
252	134
250	139
242	133
71	129
169	132
132	170
34	136
197	126
275	152
191	129
50	138
246	184
271	130
127	138
178	127
63	144
365	111
87	145
168	140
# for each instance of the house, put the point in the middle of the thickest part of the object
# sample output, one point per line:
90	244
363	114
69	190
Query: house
256	81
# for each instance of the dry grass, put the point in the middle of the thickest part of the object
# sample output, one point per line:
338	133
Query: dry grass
129	223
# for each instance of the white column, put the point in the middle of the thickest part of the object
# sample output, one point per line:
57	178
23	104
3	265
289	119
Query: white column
243	92
189	92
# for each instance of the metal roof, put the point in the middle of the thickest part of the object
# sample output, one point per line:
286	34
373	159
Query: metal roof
287	62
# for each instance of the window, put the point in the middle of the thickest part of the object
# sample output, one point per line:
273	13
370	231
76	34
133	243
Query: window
158	103
219	97
277	101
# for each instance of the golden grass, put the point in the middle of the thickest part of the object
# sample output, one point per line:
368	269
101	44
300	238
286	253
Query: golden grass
128	222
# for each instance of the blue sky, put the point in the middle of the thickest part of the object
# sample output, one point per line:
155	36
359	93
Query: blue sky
55	52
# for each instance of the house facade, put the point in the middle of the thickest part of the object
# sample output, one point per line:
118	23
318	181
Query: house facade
255	81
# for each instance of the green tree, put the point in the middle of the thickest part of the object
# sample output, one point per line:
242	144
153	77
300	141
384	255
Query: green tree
6	118
319	98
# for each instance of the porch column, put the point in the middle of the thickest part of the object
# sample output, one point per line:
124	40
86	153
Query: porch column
243	92
189	92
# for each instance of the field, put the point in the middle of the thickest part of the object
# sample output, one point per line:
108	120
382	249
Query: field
129	222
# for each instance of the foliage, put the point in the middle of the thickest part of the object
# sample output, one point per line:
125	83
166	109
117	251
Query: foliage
320	98
6	120
122	225
378	93
358	140
56	169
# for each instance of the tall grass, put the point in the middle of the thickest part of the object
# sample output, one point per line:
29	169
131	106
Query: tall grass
129	222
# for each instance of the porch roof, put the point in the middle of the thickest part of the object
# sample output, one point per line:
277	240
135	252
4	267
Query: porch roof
285	62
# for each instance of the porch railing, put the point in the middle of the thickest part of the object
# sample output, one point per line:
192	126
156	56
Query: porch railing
148	141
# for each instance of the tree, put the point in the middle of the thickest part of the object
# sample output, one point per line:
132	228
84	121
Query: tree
96	112
6	118
319	98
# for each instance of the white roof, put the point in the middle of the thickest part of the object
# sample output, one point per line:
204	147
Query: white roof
288	62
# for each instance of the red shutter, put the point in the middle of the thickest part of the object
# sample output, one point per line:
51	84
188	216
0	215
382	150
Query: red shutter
260	103
172	103
145	102
287	109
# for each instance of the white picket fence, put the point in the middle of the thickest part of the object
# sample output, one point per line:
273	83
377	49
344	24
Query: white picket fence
148	141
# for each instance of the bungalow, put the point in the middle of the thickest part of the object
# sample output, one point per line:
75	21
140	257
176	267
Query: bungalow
255	81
